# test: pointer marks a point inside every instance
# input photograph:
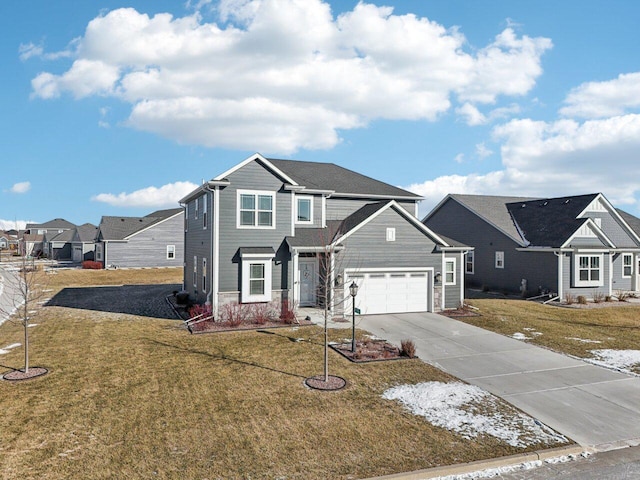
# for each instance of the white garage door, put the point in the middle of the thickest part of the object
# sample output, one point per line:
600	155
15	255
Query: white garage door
390	291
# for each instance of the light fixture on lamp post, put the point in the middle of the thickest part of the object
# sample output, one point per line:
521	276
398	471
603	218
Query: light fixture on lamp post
353	290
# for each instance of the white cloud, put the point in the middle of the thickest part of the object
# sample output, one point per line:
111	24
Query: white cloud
557	158
459	158
482	151
21	187
165	196
280	75
473	116
604	99
13	224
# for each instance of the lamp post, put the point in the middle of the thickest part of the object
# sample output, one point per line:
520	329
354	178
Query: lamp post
353	290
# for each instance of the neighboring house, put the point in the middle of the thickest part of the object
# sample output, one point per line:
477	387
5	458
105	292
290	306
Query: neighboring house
30	244
9	239
275	230
58	229
83	242
156	240
577	245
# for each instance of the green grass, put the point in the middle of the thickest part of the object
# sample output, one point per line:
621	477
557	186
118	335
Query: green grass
615	328
133	397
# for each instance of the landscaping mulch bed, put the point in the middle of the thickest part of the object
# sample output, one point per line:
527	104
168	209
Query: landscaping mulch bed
374	350
212	327
318	383
33	372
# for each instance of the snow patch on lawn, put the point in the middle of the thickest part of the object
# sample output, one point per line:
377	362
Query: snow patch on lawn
5	350
471	412
520	336
583	340
619	359
523	336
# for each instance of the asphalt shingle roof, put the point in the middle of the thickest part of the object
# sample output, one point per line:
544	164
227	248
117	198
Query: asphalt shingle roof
59	223
119	228
332	177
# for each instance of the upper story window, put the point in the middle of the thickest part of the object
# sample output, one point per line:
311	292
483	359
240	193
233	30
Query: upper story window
204	212
499	259
304	209
256	209
171	252
195	215
627	264
588	271
469	265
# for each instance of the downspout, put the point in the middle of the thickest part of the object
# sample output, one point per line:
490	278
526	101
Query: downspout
462	278
442	282
560	260
212	294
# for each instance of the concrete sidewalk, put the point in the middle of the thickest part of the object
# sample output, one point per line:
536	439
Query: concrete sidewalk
596	407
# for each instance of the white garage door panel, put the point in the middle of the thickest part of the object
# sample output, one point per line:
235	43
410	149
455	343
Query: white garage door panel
390	292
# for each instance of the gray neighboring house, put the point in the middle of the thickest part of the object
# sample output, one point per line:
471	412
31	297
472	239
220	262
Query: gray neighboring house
268	230
37	239
156	240
577	245
83	242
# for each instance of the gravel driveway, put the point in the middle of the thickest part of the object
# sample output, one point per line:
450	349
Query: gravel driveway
142	300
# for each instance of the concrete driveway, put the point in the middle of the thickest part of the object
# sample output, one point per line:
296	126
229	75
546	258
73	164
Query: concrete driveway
596	407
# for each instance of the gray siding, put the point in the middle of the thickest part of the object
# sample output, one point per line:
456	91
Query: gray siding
568	273
149	248
452	292
253	177
614	231
197	243
340	208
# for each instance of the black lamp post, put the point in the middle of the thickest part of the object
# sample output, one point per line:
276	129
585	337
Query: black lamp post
353	290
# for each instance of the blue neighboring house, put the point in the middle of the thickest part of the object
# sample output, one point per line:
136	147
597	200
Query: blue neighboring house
575	245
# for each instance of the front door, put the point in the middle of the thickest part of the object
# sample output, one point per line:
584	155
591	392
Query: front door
307	269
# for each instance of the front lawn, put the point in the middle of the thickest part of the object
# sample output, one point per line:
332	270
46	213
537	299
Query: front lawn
136	397
574	331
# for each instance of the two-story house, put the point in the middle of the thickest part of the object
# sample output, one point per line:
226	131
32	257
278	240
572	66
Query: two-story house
576	245
274	230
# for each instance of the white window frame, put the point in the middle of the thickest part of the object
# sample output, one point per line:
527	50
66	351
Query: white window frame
171	252
470	260
195	271
186	217
626	256
447	272
308	198
99	252
576	271
197	207
204	274
247	262
256	194
391	234
499	259
204	212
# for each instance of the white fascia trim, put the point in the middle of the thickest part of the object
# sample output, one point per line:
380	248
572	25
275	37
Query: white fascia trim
153	225
456	249
261	159
597	230
257	256
403	213
383	197
388	269
612	211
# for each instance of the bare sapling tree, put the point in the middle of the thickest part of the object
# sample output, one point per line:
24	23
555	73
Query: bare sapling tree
330	294
24	287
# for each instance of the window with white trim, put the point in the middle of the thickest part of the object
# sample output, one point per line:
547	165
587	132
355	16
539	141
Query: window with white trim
204	212
99	252
499	259
256	278
197	207
171	252
391	234
588	271
469	262
204	275
304	209
186	217
627	265
450	271
256	209
195	271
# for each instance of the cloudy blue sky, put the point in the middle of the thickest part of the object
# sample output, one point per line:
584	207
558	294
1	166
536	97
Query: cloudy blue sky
121	107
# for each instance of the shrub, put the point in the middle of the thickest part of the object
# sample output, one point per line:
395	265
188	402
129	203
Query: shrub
622	295
408	348
287	312
197	310
569	299
607	298
233	314
598	297
582	300
91	265
262	313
